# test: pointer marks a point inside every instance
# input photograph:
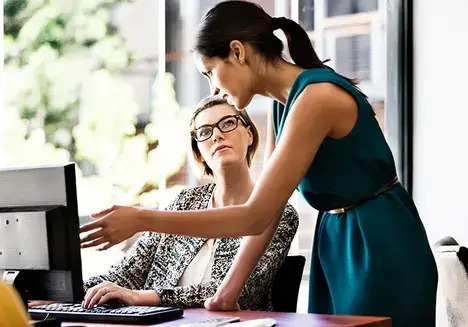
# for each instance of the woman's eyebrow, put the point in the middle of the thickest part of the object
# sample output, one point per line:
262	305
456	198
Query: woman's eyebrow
204	125
207	124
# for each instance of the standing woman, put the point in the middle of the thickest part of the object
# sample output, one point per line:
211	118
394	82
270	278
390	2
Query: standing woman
370	254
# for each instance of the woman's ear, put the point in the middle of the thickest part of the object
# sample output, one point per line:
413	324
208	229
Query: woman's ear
238	51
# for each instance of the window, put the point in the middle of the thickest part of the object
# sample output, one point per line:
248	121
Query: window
349	7
353	56
306	14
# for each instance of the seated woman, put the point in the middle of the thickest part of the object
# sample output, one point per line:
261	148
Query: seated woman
180	271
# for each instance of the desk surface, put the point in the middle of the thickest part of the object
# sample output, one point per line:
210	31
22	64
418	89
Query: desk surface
282	319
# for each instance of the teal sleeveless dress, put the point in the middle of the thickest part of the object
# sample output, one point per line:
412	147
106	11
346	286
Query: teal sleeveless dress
374	259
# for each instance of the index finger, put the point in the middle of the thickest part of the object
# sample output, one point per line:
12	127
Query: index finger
102	213
91	292
91	226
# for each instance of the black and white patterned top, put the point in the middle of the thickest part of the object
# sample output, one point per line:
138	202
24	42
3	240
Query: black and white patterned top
157	261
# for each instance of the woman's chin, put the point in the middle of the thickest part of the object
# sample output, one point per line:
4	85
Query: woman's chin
227	162
239	106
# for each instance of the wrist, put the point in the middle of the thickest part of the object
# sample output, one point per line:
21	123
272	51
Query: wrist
157	298
147	298
136	300
140	219
227	294
228	290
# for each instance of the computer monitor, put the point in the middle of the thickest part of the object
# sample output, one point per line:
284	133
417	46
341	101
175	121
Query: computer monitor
39	233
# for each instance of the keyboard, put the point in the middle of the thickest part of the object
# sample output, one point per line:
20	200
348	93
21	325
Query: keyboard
106	314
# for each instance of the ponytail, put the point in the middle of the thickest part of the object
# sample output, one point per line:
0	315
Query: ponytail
300	47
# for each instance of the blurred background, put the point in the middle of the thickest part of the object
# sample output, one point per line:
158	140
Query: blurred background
110	85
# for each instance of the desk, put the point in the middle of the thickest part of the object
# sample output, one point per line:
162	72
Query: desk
282	319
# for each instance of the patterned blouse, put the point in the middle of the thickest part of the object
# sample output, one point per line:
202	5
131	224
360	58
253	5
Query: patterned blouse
157	261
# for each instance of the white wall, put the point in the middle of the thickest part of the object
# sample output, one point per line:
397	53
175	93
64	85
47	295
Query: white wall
441	116
441	121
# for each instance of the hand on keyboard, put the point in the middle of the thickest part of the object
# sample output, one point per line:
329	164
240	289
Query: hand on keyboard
109	292
130	314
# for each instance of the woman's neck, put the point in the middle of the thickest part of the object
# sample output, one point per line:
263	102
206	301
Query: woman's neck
275	80
233	186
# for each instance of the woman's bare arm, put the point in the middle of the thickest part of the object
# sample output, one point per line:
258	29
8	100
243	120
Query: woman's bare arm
306	126
247	258
317	112
270	140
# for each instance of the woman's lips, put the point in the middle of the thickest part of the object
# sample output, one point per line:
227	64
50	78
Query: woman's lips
221	148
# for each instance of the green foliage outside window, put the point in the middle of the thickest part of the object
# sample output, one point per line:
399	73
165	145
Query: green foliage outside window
65	100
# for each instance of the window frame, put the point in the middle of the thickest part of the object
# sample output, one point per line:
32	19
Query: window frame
399	122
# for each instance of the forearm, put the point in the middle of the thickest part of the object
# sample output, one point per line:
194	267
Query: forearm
257	288
234	221
187	296
247	258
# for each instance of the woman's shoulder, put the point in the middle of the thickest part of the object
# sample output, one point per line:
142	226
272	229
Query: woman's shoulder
326	82
193	198
197	191
316	75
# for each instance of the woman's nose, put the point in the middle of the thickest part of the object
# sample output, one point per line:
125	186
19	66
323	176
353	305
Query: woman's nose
217	134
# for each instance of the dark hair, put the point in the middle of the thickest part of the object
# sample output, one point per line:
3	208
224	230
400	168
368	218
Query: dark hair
248	22
207	103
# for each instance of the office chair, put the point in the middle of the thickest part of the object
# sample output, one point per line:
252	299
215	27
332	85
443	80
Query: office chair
452	264
286	284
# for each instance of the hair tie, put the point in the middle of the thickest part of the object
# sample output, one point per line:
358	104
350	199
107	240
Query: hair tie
276	23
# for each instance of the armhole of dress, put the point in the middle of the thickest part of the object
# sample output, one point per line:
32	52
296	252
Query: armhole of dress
348	88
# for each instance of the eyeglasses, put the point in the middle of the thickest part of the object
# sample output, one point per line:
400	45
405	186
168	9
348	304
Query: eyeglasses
225	124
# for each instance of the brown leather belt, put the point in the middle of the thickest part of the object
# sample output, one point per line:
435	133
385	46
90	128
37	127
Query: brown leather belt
384	189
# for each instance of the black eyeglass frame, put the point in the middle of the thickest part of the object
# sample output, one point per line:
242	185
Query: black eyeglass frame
193	133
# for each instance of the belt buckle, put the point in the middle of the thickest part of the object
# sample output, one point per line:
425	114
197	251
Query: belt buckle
337	211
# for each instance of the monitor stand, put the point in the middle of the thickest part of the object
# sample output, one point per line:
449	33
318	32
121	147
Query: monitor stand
14	278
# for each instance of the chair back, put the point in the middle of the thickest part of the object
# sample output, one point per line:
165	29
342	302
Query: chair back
452	264
286	284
